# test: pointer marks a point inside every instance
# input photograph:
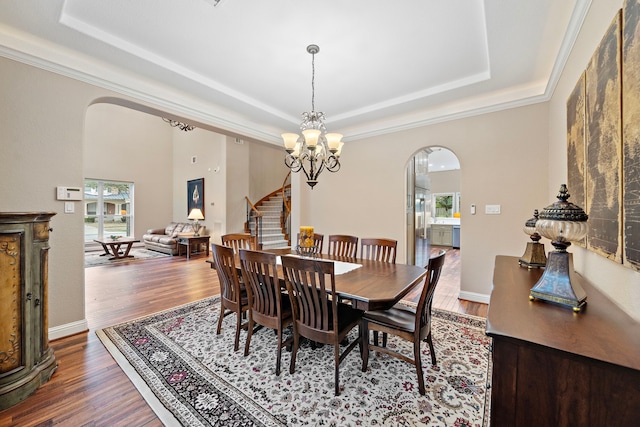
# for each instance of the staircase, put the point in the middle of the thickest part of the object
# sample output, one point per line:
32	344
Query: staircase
273	232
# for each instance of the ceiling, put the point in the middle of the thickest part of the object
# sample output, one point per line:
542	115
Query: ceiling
241	66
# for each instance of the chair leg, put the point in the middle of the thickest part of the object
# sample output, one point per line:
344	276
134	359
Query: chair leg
336	356
247	343
365	345
222	314
296	342
418	362
279	355
433	352
236	344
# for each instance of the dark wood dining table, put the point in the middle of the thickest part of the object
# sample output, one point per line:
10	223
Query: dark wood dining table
374	286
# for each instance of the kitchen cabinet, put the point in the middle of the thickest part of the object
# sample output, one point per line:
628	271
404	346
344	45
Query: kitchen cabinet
441	234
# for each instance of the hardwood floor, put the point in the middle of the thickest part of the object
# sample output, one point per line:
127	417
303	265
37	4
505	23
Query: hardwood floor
89	388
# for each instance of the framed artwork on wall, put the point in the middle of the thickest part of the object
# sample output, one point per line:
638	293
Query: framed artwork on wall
576	147
603	94
195	195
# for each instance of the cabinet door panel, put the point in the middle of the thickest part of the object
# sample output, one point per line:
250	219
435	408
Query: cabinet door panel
11	290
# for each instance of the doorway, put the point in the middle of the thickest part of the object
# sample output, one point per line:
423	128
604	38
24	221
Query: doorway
433	203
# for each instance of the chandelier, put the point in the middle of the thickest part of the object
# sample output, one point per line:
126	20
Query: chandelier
316	150
182	126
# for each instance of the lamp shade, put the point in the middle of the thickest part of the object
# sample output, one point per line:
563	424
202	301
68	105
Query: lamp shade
195	214
290	140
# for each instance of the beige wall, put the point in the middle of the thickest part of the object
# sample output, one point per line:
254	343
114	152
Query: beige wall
127	145
621	284
445	181
208	149
41	132
499	154
515	158
268	170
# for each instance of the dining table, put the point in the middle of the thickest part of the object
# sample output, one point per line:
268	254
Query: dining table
368	284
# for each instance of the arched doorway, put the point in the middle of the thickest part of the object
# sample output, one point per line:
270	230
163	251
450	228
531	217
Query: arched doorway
433	202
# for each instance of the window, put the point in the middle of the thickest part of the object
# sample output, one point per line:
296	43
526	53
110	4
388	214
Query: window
108	209
443	205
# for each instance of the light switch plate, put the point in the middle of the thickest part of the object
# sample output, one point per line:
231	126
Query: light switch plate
69	207
492	209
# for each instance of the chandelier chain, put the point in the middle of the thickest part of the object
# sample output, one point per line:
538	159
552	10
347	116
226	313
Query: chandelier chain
313	81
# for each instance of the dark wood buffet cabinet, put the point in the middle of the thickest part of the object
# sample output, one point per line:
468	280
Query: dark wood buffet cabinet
554	367
26	360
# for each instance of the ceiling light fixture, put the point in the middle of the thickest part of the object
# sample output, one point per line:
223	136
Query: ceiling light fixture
320	150
182	126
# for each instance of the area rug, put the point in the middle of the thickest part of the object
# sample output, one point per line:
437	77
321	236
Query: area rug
93	259
191	376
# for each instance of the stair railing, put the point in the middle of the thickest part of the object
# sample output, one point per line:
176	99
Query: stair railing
286	209
257	231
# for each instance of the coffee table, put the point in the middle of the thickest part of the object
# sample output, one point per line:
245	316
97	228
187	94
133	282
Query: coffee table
190	241
114	245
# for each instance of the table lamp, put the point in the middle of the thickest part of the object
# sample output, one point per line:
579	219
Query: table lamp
196	215
534	256
562	222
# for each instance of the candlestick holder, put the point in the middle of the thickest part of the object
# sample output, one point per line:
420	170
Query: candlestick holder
307	251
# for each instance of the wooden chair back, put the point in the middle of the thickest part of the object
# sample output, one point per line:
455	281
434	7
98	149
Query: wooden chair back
233	296
343	245
260	273
267	305
406	323
423	310
379	250
317	315
318	241
238	241
315	308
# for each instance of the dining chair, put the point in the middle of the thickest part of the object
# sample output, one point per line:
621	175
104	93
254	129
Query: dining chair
238	241
268	306
317	314
383	250
343	245
379	250
318	240
408	323
234	295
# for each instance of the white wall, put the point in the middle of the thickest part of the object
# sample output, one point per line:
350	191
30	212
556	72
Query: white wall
621	284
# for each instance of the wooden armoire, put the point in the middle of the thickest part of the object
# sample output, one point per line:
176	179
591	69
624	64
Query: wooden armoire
26	360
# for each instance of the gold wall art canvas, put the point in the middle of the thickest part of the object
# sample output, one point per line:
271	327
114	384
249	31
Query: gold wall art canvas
604	145
576	147
631	132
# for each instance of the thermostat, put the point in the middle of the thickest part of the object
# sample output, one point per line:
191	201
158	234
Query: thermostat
69	193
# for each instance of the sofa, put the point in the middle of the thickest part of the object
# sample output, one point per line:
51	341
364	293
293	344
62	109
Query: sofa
164	239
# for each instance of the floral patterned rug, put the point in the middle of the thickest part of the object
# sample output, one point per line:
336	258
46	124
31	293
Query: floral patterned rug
191	376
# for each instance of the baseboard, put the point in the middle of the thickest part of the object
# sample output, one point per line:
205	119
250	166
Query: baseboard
475	297
68	329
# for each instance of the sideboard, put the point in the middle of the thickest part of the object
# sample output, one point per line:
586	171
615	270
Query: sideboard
554	367
26	360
